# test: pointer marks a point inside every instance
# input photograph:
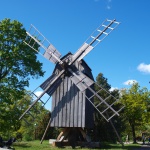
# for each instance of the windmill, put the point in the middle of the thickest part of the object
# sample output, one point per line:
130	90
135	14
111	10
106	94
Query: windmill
71	86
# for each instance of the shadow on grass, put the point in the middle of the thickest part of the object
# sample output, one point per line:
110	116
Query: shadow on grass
21	144
119	146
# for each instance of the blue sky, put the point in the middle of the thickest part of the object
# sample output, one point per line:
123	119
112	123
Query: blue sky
123	56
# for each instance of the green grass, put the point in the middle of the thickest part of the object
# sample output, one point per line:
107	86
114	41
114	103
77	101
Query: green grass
35	145
32	145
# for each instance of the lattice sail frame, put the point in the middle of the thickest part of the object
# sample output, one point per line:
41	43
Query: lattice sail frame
46	48
95	38
35	107
105	102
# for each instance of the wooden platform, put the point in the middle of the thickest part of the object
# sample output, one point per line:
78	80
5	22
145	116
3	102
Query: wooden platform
74	137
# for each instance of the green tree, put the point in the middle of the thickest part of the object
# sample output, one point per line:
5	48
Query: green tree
34	123
103	129
18	62
41	126
102	81
9	114
136	111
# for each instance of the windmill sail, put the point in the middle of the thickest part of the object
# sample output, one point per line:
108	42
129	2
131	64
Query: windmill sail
105	103
46	48
46	83
78	78
50	53
47	88
37	108
95	38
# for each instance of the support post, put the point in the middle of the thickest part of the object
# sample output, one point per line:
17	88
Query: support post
120	140
45	131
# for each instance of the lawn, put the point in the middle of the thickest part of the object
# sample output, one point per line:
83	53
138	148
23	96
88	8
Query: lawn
35	145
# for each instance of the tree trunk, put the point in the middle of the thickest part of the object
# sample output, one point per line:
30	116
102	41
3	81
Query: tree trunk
133	131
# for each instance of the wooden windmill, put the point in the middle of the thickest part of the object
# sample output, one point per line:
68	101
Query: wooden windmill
72	85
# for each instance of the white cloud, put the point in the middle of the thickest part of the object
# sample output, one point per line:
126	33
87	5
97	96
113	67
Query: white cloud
38	93
113	88
144	68
130	82
44	98
109	4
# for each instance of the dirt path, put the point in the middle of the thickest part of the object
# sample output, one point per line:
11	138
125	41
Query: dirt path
143	147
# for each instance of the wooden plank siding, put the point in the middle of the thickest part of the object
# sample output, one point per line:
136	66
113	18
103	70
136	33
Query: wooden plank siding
70	108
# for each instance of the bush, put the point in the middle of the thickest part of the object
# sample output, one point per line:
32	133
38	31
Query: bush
27	137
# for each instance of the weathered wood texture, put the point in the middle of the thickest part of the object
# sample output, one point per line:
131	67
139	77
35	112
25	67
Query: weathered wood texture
70	108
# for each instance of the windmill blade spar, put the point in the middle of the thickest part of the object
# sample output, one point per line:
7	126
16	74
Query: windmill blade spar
46	48
96	37
55	79
48	81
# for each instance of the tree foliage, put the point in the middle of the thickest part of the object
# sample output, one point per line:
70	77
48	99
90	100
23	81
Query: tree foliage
18	62
136	112
102	81
103	129
34	123
9	114
41	127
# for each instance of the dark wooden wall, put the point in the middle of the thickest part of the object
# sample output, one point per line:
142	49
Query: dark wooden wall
70	108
